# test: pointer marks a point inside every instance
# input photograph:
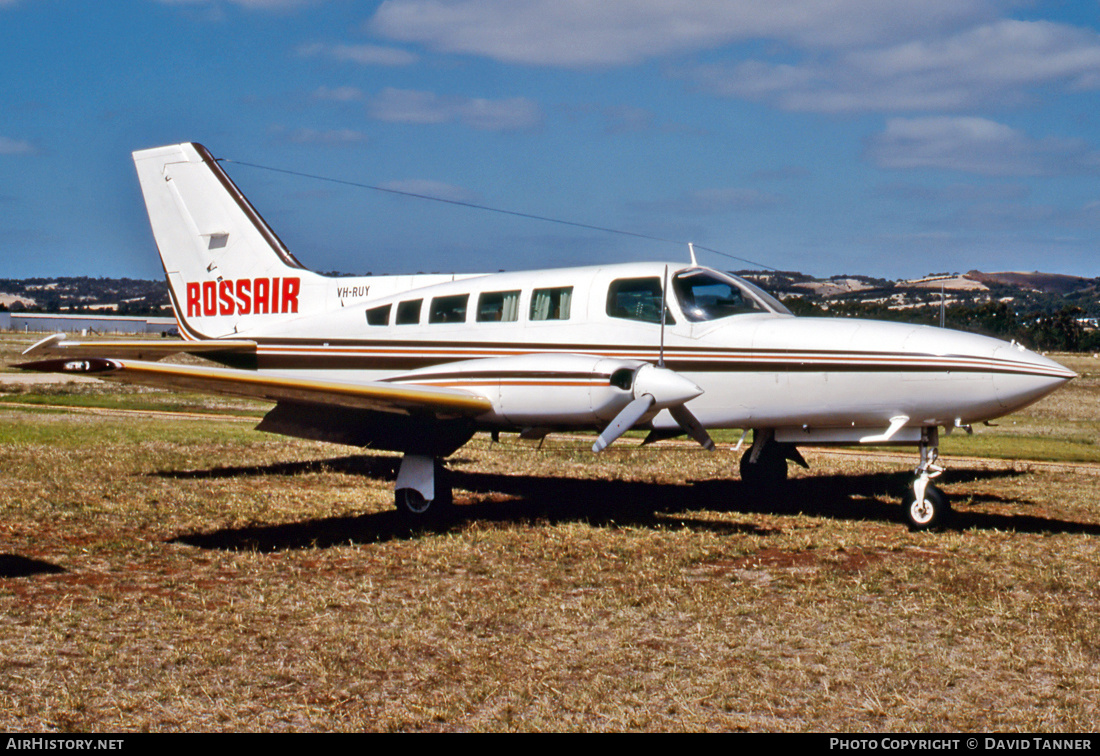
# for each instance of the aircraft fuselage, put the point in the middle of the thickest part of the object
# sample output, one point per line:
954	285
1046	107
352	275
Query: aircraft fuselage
818	380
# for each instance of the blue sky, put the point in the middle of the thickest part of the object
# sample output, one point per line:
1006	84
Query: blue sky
829	136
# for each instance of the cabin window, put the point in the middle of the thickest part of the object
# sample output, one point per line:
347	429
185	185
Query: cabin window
708	295
408	313
551	304
450	309
498	307
378	316
637	299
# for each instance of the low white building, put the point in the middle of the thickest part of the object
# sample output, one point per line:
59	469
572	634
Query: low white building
42	322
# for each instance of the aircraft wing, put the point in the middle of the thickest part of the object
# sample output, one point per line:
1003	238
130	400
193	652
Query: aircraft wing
442	402
136	349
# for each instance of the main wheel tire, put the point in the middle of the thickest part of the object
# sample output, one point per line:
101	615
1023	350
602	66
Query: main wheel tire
768	472
933	512
416	509
412	502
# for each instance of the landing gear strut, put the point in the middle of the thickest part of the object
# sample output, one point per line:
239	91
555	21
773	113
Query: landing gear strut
926	507
423	490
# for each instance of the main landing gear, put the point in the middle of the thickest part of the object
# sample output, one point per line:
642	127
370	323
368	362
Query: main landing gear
764	465
423	490
925	506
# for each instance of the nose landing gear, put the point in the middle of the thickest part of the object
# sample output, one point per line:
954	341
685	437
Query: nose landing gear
926	507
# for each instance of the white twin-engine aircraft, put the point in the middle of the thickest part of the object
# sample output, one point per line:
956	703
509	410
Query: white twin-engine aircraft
418	364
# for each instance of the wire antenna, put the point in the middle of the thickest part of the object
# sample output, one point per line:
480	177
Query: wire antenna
488	208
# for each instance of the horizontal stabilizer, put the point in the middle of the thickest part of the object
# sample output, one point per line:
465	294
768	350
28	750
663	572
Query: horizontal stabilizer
135	349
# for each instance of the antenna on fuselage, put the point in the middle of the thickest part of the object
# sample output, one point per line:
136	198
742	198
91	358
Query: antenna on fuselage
691	251
664	309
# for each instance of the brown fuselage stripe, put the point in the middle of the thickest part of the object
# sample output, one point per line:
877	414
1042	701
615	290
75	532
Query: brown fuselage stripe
451	383
496	375
691	359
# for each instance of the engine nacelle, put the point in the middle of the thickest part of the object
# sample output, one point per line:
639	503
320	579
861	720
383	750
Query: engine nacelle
549	390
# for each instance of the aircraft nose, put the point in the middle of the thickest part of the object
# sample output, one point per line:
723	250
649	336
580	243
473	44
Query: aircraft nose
1025	377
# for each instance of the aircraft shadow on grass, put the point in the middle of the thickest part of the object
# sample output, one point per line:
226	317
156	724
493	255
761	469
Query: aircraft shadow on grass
608	503
13	566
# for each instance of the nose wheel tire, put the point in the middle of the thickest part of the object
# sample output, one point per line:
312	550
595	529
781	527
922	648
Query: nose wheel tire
929	512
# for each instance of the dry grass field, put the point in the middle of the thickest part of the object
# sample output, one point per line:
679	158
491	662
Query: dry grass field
163	567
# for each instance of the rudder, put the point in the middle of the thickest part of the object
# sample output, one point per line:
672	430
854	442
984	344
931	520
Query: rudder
226	268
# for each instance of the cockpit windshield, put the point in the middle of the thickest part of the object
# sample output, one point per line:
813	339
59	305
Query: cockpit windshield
709	295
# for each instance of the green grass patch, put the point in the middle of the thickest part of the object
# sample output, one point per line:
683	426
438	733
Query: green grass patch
60	428
104	396
1063	448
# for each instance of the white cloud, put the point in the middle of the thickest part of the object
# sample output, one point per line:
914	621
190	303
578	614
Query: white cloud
273	4
994	63
976	145
782	173
412	106
714	201
1000	216
277	5
367	55
626	119
723	199
1088	215
958	193
10	146
338	94
331	137
577	33
429	188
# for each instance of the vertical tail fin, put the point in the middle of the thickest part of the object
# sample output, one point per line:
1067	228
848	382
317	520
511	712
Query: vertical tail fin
227	270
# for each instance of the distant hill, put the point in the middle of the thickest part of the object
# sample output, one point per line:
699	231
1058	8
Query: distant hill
1026	292
1045	311
1047	283
124	296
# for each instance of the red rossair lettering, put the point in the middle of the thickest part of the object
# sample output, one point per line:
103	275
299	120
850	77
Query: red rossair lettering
209	298
291	287
194	305
243	296
225	296
260	294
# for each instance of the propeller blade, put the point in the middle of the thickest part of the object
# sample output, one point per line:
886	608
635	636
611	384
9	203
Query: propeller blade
691	425
624	421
